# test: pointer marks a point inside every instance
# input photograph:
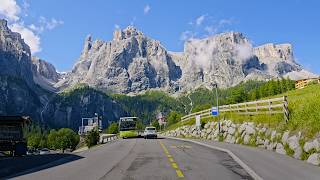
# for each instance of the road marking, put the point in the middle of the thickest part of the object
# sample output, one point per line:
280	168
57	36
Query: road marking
174	165
170	158
251	172
179	173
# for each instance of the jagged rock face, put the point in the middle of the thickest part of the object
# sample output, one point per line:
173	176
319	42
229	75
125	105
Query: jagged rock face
224	59
131	62
15	56
44	69
44	74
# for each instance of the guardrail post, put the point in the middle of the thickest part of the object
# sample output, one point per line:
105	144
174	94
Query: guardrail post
285	109
270	108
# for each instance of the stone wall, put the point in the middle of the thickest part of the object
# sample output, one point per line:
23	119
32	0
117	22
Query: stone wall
257	135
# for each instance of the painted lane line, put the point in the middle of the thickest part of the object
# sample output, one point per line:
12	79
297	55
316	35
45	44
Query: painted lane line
170	158
179	173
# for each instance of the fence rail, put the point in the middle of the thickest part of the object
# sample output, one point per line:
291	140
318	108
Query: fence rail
268	106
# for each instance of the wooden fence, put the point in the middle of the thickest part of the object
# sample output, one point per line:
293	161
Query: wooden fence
268	106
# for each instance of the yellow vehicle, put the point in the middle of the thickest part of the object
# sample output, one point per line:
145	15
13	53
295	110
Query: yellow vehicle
128	127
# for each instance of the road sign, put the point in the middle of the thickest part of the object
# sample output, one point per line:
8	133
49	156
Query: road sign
214	111
198	123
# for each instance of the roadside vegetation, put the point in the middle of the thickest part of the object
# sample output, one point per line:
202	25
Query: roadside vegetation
304	108
61	139
92	138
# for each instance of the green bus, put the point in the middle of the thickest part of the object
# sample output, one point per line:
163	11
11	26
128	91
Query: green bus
128	127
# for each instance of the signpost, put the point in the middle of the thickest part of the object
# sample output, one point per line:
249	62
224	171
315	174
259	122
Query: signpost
198	122
214	111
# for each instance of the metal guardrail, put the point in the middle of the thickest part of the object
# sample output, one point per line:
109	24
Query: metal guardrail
268	106
104	138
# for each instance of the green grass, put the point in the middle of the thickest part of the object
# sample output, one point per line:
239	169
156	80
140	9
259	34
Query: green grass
304	108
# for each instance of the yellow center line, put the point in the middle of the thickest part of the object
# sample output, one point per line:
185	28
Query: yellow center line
179	173
174	165
170	158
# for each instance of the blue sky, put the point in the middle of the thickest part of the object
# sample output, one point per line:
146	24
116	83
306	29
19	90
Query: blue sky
57	28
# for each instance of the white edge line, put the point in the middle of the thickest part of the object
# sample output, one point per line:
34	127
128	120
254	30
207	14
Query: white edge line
251	172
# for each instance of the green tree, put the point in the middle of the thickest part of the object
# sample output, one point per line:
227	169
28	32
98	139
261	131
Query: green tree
140	125
53	139
155	124
67	139
34	140
92	138
173	117
113	128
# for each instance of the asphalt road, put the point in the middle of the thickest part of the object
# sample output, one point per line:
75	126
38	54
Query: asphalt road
144	160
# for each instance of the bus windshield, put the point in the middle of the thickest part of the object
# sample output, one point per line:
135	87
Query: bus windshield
127	124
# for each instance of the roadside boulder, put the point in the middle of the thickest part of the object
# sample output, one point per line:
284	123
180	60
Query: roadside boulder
314	159
293	142
280	149
285	137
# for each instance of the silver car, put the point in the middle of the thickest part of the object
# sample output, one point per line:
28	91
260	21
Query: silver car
150	132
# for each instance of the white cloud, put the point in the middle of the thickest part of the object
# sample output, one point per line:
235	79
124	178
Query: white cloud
10	9
186	35
200	19
29	37
146	9
204	26
116	26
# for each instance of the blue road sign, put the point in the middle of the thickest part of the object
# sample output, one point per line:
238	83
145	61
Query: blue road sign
214	111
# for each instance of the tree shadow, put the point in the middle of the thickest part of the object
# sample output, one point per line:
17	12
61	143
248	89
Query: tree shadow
11	167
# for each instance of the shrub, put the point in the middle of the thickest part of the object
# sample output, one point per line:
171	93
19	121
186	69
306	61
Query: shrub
92	138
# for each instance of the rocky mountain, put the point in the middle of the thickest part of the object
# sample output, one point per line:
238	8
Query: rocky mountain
44	74
132	62
24	85
15	55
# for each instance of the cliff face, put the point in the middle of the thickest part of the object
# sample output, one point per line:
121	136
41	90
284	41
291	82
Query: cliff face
15	56
44	74
132	63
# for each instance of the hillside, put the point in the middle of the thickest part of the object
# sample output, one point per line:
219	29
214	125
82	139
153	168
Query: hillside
304	107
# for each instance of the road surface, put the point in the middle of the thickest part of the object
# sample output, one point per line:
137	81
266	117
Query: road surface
144	160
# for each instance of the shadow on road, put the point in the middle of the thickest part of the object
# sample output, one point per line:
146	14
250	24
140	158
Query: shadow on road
16	166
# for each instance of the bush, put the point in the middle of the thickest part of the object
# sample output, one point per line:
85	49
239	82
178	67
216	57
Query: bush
92	138
62	139
113	128
173	117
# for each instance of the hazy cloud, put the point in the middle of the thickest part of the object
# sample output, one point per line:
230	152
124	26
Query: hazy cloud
10	9
204	26
116	26
14	13
146	9
200	19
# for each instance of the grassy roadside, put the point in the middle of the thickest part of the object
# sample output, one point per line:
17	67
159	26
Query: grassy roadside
304	107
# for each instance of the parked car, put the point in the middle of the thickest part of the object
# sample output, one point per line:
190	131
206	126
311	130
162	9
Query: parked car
150	132
44	151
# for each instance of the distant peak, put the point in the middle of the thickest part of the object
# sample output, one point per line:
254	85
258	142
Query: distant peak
126	33
3	22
